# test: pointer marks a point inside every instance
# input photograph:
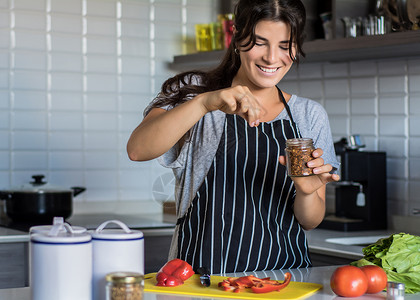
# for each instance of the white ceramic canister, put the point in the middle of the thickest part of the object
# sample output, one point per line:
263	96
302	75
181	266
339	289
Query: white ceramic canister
61	265
115	250
58	222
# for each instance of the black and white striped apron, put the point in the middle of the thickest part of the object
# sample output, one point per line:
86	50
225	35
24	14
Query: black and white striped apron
241	218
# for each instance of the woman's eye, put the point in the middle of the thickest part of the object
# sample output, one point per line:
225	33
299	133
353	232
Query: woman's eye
259	44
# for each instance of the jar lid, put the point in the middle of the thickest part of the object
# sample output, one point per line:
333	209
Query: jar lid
395	285
124	233
124	277
299	142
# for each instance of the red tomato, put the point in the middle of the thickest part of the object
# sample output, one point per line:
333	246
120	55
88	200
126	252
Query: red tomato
377	278
349	281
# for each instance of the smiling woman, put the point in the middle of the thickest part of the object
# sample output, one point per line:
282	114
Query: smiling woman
224	132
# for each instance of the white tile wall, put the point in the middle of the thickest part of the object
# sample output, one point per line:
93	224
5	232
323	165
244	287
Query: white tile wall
75	77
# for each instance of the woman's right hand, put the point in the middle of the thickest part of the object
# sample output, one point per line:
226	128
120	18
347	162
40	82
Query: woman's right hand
234	100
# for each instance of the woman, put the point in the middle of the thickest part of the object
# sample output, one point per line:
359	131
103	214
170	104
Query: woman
223	133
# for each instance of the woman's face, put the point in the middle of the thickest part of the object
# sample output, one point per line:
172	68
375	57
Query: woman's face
268	61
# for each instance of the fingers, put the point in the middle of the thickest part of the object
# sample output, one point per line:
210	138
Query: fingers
249	107
282	160
239	100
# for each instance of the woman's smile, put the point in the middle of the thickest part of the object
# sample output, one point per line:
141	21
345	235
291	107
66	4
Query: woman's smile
269	70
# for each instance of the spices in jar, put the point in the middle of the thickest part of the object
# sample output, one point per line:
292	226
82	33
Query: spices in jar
124	286
298	154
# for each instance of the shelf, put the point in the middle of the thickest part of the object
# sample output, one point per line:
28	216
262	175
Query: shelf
399	44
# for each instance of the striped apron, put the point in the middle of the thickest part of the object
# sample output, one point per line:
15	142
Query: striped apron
241	218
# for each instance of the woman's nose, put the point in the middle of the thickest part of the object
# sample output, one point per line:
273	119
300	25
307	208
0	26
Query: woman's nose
274	54
271	55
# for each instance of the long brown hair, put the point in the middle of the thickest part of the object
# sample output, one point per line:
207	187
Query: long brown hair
248	13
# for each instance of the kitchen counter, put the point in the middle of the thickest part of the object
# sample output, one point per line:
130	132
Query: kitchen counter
320	275
318	244
156	225
8	235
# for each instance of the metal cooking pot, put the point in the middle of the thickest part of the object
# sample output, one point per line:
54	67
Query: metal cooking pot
38	201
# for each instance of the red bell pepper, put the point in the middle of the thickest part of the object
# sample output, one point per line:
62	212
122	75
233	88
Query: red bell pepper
174	273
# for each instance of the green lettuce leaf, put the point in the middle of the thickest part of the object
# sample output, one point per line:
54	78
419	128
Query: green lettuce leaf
399	256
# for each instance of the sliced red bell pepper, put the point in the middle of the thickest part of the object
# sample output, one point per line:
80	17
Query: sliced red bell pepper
174	273
269	286
256	284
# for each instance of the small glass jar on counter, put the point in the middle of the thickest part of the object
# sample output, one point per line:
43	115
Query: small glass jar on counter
395	290
298	154
124	286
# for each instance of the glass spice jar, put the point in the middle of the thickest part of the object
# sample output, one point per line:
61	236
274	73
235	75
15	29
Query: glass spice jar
395	290
298	154
124	286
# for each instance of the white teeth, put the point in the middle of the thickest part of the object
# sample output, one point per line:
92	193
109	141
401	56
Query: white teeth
268	70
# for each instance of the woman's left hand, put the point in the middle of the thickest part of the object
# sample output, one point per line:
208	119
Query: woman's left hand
310	184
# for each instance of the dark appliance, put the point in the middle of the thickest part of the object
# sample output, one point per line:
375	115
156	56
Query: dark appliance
361	194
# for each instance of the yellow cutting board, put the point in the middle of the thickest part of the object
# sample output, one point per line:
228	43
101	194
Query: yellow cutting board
295	290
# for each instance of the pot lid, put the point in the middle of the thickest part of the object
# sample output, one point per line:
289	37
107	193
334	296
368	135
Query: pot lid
38	185
124	233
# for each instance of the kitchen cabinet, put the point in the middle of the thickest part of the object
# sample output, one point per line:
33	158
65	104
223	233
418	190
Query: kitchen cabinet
14	270
156	250
157	242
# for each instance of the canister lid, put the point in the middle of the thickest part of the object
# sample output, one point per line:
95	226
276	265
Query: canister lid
124	233
47	228
61	238
60	233
124	277
116	234
58	226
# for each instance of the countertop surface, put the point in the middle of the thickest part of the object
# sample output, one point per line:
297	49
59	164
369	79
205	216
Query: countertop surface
320	241
331	242
320	275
